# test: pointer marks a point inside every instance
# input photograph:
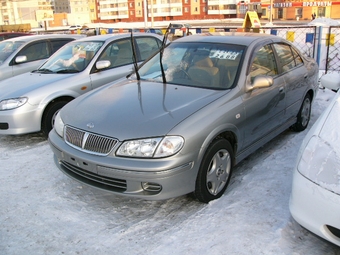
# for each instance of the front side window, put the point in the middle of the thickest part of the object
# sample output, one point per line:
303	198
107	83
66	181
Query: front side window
263	63
208	65
35	51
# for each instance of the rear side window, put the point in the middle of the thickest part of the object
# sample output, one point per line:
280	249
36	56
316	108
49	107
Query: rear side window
57	44
297	57
147	46
285	56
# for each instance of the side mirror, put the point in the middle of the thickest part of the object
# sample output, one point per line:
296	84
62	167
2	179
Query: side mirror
103	64
20	59
261	81
330	81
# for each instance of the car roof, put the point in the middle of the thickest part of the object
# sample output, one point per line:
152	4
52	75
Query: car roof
117	36
240	38
46	36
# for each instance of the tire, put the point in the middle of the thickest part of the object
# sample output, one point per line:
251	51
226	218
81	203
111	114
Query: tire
215	171
50	113
303	116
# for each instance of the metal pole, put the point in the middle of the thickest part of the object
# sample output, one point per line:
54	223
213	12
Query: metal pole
271	13
145	14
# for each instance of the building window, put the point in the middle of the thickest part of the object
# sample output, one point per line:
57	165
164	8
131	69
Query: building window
298	12
321	12
185	9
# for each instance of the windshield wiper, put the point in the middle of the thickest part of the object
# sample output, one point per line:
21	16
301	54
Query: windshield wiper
43	70
165	38
68	71
134	57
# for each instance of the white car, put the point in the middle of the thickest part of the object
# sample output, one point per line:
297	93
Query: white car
315	197
26	53
75	27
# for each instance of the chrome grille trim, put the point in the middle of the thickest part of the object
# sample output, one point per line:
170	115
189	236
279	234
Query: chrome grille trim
89	142
94	179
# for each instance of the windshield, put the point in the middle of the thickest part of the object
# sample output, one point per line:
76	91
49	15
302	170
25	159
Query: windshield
205	65
7	48
73	57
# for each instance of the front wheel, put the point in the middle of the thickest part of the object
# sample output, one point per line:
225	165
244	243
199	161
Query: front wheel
303	116
215	171
50	113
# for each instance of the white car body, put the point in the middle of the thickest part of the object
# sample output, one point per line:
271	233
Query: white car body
29	52
315	198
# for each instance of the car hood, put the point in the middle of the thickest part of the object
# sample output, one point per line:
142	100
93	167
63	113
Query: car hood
22	84
128	110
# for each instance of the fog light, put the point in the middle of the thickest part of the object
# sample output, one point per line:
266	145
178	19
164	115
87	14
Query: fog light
151	187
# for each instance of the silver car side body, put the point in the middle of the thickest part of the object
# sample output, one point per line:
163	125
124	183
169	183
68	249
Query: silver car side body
246	113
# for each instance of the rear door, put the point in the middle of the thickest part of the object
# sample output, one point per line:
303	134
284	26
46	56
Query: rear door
295	74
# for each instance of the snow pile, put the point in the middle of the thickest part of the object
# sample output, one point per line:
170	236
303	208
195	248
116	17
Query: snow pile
324	22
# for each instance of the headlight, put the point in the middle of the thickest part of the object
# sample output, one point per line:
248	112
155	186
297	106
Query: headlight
152	147
319	163
12	103
59	125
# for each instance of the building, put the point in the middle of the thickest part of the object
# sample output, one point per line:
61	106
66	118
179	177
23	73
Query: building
21	12
78	12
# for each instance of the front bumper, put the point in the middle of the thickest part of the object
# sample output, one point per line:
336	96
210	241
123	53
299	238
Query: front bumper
315	208
151	179
22	120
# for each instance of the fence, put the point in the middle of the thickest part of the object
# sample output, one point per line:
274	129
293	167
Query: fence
320	43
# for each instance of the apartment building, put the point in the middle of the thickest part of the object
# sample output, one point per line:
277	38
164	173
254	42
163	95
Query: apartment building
78	12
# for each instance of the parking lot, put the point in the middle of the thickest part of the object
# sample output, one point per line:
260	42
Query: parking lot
42	211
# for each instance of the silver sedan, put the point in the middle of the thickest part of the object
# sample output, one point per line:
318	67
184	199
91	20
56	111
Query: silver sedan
181	123
30	101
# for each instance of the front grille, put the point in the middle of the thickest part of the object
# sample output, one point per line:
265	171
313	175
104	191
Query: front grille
94	179
89	142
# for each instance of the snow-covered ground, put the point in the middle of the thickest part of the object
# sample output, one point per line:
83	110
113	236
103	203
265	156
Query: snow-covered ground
44	212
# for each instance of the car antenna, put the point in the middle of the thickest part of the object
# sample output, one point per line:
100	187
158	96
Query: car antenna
165	38
134	55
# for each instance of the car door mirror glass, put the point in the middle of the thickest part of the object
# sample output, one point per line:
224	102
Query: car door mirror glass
20	59
261	81
103	64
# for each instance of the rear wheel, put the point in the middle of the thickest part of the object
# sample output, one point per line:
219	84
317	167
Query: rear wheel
303	116
49	116
215	171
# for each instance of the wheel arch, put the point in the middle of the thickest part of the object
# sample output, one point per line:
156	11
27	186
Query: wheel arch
53	101
312	94
230	134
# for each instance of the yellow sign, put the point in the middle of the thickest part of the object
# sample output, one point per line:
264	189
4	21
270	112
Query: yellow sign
251	20
42	15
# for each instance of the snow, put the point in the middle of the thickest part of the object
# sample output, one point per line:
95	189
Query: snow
42	211
324	22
